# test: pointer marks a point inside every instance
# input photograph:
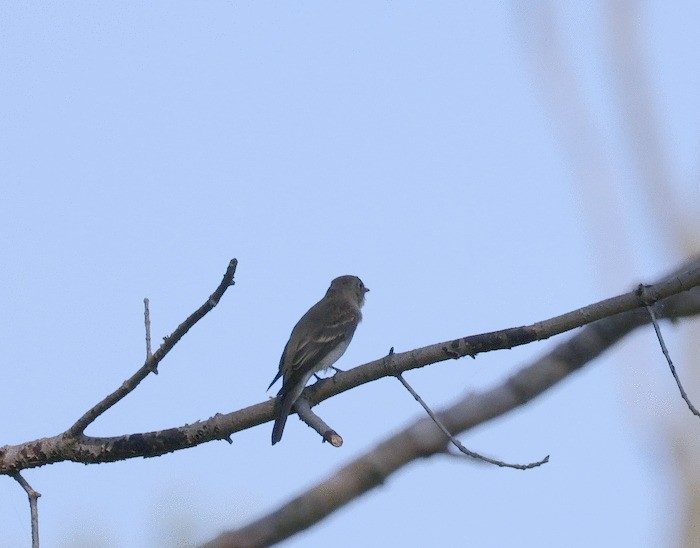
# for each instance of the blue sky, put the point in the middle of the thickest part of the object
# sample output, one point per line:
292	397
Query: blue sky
143	146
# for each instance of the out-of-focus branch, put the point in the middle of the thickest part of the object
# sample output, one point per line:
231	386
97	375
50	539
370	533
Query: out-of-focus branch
424	438
576	130
676	221
669	206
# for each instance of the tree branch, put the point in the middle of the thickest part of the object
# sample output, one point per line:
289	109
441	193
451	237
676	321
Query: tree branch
88	450
423	438
33	506
152	362
303	409
454	441
147	325
666	354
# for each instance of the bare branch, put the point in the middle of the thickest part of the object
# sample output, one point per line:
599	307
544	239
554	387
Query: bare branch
303	409
681	280
152	363
147	323
33	506
454	441
642	293
86	449
423	438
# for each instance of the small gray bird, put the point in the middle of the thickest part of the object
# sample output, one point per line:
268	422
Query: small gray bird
317	341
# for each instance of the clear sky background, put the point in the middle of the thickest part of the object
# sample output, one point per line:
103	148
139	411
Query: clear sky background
142	146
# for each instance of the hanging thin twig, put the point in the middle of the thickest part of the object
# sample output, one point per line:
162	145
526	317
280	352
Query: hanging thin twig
641	291
457	443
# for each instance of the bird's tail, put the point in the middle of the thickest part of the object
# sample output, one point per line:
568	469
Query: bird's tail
284	406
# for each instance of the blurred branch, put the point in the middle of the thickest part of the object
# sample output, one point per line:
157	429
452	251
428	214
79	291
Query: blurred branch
423	438
669	208
675	222
74	446
577	129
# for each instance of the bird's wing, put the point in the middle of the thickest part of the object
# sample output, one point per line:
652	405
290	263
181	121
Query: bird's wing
279	373
333	325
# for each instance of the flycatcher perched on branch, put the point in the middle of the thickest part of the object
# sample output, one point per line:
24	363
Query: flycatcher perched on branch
317	341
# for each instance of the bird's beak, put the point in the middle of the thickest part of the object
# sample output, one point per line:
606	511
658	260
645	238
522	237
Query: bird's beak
366	289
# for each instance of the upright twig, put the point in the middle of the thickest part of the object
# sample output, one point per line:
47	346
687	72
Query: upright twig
33	506
152	363
147	323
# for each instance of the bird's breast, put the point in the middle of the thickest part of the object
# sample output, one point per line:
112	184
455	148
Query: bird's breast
332	357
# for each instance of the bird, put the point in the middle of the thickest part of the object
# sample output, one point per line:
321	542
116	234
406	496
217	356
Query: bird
317	341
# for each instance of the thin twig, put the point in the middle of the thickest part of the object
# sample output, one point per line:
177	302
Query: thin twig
664	349
147	322
33	506
457	443
168	343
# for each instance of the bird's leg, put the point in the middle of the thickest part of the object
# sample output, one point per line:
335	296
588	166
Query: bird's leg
333	367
